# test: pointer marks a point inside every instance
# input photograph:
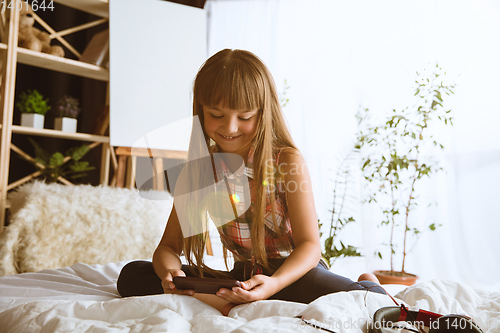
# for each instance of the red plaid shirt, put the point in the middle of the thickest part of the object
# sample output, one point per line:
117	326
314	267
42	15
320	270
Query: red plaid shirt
235	235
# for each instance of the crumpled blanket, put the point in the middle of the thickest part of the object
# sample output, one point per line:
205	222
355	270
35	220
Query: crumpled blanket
83	298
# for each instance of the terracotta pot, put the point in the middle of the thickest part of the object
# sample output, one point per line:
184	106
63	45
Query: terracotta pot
385	277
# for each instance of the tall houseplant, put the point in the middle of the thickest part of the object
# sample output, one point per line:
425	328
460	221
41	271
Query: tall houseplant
341	212
340	218
33	107
397	155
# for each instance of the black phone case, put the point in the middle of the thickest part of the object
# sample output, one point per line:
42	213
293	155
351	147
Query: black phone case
203	285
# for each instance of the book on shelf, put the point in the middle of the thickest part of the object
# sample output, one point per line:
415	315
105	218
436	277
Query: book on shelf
97	51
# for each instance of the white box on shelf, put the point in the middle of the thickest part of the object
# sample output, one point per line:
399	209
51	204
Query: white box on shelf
65	124
34	120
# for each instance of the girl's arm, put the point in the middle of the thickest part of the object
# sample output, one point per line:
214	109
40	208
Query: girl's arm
303	219
167	264
304	223
166	261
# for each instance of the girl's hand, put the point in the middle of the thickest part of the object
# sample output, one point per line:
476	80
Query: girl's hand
259	287
169	286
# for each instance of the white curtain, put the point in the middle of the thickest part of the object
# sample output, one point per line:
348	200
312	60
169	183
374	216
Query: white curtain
338	56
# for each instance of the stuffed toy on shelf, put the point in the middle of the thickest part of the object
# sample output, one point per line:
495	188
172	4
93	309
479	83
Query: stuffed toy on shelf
33	38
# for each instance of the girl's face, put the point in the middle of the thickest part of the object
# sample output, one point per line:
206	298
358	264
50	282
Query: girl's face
232	130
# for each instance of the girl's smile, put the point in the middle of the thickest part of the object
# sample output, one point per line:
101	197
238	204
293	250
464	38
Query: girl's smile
232	130
229	137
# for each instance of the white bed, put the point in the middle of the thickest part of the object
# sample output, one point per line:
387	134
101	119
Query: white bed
83	298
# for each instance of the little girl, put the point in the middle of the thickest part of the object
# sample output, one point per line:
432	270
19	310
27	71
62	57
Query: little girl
273	230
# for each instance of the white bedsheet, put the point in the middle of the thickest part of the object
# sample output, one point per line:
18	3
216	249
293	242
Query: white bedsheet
83	298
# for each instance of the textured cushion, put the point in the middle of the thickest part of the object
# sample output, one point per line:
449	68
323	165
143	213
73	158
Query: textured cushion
55	225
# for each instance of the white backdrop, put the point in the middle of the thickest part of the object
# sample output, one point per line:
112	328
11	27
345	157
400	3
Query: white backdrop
337	56
156	49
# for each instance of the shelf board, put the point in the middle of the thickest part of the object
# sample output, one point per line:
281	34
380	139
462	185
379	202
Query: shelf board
145	152
96	7
59	64
59	134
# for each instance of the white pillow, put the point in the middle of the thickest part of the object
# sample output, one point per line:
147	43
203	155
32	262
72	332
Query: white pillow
55	225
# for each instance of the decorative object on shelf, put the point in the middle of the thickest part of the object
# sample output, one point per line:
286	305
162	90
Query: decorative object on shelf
33	38
67	110
58	165
393	162
97	51
33	108
343	199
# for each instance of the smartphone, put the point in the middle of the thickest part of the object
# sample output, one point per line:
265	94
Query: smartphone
204	285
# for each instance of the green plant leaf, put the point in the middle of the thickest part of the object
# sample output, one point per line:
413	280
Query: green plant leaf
31	101
77	153
77	176
57	159
40	153
365	164
39	160
79	166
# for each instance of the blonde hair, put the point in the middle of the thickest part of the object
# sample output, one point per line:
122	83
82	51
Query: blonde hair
238	80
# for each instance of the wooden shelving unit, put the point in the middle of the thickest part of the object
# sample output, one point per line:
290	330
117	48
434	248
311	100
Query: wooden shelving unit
58	64
58	134
96	7
12	55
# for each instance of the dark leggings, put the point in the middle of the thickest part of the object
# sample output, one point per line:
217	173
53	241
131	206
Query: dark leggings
138	278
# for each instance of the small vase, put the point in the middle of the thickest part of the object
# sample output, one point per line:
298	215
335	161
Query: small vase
34	120
65	124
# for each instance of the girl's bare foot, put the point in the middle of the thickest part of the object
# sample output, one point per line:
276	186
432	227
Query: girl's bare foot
225	310
368	277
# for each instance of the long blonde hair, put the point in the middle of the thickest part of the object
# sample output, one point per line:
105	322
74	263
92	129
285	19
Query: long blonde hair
239	80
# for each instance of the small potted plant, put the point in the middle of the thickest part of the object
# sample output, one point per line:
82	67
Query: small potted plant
396	157
33	108
67	110
68	165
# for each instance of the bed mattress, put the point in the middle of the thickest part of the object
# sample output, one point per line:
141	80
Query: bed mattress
83	298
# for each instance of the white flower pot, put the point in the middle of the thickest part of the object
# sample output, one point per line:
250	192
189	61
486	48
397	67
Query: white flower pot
34	120
65	124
